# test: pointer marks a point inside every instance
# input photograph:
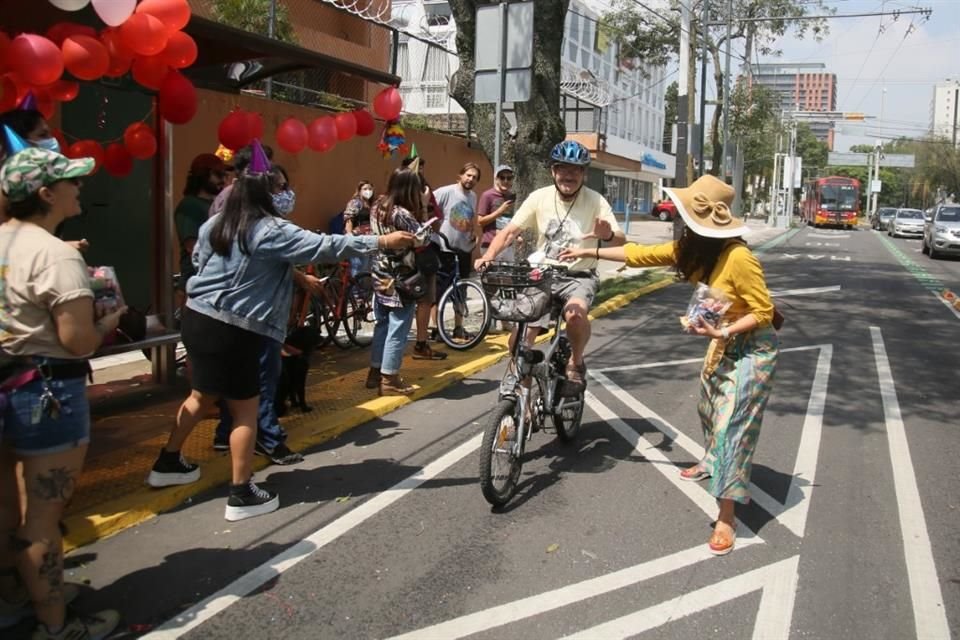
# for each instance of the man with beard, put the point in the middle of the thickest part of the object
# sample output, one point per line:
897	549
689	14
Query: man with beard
461	226
204	182
567	214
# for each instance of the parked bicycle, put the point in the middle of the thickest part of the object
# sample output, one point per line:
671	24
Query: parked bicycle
343	312
531	393
463	312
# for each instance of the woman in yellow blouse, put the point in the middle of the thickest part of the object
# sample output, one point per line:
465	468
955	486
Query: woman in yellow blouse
742	355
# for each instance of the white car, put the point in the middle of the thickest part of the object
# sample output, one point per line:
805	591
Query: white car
941	235
906	222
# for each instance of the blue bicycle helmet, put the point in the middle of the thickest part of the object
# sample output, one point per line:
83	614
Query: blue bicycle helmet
570	152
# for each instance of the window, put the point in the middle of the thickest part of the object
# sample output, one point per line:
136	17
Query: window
403	61
436	67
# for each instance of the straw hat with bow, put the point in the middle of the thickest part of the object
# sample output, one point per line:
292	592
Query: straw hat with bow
705	208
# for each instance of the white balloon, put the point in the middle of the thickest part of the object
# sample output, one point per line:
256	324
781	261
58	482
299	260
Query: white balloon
70	5
114	12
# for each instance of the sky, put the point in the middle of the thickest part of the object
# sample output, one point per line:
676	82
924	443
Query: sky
905	65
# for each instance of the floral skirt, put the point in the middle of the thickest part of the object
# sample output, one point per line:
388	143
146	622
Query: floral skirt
732	401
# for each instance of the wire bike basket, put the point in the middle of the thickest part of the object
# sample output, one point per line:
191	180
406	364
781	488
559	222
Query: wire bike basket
517	293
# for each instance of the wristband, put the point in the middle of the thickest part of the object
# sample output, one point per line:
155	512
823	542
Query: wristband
598	251
725	332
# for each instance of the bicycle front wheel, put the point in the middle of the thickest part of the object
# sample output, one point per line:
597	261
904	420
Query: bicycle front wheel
500	454
463	315
568	416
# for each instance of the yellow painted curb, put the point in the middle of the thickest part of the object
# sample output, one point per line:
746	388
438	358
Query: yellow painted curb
134	508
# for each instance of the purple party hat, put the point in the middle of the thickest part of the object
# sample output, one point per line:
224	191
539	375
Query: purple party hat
15	144
258	158
29	102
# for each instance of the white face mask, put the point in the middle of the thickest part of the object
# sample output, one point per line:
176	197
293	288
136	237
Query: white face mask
367	194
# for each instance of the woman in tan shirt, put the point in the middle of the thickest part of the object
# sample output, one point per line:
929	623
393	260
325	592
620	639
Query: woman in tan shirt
741	359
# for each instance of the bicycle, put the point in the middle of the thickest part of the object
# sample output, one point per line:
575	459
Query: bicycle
343	312
522	294
463	305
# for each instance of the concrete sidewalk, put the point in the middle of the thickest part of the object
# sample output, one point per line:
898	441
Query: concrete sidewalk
132	417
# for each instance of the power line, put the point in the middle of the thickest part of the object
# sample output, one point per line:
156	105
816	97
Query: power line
897	13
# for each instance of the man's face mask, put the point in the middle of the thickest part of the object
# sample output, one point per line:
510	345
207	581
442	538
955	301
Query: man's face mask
284	202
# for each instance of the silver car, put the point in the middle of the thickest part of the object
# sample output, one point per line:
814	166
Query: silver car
941	235
906	222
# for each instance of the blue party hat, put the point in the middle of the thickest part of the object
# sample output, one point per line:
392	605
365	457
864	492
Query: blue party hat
15	144
259	163
29	102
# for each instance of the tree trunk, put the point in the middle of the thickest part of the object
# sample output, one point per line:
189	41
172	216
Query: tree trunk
539	124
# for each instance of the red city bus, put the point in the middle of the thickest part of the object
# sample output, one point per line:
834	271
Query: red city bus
834	201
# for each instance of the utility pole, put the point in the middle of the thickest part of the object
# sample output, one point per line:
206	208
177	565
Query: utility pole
704	33
788	175
724	159
271	31
875	177
501	81
683	101
956	96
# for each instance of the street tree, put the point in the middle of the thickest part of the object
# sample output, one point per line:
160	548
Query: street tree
539	124
254	16
655	37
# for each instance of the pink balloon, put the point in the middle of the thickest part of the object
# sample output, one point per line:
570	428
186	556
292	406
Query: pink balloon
114	12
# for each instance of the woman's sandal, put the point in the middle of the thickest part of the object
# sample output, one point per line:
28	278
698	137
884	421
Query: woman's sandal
696	473
722	544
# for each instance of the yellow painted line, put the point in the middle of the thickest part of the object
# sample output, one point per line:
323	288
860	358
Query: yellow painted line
108	518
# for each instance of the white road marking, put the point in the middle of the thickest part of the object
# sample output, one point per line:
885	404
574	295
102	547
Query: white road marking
841	259
929	615
541	603
793	512
829	236
777	583
253	580
651	365
804	292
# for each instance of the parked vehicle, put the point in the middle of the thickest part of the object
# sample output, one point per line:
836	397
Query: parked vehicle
906	222
941	236
882	217
834	200
664	210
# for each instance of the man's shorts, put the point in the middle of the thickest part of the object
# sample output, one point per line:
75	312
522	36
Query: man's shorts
581	285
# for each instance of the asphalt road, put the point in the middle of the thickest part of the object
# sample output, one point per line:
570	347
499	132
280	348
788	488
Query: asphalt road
384	532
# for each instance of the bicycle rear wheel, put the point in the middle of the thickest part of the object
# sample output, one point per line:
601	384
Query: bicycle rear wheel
316	320
466	299
500	462
358	318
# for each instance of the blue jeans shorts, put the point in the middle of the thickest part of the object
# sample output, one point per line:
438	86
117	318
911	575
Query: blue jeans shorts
29	431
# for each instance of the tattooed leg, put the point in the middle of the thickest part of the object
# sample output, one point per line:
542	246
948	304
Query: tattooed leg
50	481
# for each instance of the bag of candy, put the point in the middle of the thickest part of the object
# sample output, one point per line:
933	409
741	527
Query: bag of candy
707	305
107	297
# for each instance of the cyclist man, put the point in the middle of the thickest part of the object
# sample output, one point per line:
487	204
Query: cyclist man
567	214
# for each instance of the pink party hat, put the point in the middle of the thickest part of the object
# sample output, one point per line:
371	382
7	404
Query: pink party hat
15	144
29	102
258	158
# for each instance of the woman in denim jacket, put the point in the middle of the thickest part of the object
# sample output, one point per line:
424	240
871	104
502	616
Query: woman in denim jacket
239	297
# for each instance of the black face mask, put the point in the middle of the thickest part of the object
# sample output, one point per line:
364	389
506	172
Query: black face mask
212	187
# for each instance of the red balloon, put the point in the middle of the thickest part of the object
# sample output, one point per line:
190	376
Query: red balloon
113	41
346	126
64	90
255	123
45	102
86	149
9	95
234	130
365	122
181	50
292	135
388	104
117	160
140	141
63	30
322	134
149	71
178	98
85	57
4	48
174	14
118	67
35	59
144	34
